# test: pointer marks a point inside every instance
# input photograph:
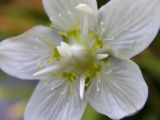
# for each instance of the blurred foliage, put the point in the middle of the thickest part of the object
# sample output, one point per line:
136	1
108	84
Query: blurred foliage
17	16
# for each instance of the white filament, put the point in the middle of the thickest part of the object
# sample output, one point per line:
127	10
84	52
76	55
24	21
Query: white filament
86	10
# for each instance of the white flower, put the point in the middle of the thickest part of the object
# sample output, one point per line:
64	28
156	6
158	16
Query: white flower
84	58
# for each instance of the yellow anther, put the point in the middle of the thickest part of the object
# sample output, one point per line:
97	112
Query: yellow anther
74	32
49	42
98	44
76	19
109	63
97	67
71	87
51	26
91	35
62	33
50	60
102	62
71	76
56	54
108	47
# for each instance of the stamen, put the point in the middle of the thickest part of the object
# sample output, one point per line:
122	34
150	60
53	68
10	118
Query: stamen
108	47
84	8
91	85
82	86
63	92
42	61
51	69
109	63
72	85
102	56
99	81
57	85
46	83
98	89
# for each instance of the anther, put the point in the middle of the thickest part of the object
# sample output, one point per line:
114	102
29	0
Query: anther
102	56
84	8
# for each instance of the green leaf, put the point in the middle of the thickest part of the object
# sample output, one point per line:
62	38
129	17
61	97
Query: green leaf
15	93
91	114
150	63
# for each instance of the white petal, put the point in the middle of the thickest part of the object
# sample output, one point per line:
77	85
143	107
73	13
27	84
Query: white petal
63	13
122	90
58	104
132	25
22	56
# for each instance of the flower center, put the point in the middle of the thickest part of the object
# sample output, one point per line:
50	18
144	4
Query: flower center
83	61
78	56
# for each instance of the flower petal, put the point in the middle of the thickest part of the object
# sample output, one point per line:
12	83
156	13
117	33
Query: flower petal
121	92
56	104
63	14
129	26
22	56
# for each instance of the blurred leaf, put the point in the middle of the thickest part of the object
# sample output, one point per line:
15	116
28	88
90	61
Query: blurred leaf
2	74
15	93
90	114
4	1
149	62
16	110
151	116
4	35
